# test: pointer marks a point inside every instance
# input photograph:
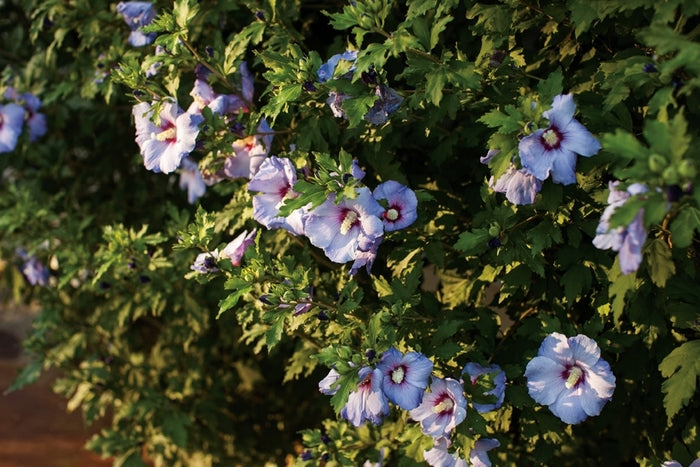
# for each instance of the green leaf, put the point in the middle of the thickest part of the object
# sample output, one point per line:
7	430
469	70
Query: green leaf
506	123
438	27
681	367
623	144
550	87
660	261
346	384
473	243
576	279
175	425
184	11
274	334
619	287
434	84
28	375
240	287
684	225
356	108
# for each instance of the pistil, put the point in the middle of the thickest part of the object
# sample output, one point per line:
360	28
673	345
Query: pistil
349	220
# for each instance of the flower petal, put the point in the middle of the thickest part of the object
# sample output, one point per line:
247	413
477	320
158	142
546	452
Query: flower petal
576	138
544	380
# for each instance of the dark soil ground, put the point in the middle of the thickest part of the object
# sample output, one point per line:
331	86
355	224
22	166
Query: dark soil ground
35	428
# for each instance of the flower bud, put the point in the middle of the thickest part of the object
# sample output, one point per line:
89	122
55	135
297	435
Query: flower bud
670	175
657	163
687	169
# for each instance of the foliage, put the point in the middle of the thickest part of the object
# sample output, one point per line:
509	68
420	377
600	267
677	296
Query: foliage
222	368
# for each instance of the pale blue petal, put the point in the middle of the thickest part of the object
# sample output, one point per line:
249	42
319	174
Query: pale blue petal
556	347
534	156
584	350
630	253
563	166
544	380
562	110
568	406
576	138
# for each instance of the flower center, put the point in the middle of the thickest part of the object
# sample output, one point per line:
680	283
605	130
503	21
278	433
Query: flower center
168	134
392	214
551	138
348	221
445	405
398	374
575	376
366	383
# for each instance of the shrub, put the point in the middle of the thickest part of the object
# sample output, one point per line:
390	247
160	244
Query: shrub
394	232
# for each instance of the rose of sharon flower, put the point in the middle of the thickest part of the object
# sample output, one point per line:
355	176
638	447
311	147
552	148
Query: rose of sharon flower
695	463
11	122
275	181
569	377
365	255
237	247
249	153
137	15
205	262
519	186
163	146
405	377
401	205
627	241
368	402
340	228
191	180
325	386
478	456
442	409
32	269
36	122
553	150
439	456
389	100
474	371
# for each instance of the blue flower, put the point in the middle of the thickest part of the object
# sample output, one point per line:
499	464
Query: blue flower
695	463
275	181
326	71
474	371
341	228
326	385
519	186
478	456
442	409
36	122
11	122
32	269
249	153
137	15
627	241
365	255
368	402
553	150
389	100
569	377
237	247
405	377
335	102
205	262
163	146
191	180
401	205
